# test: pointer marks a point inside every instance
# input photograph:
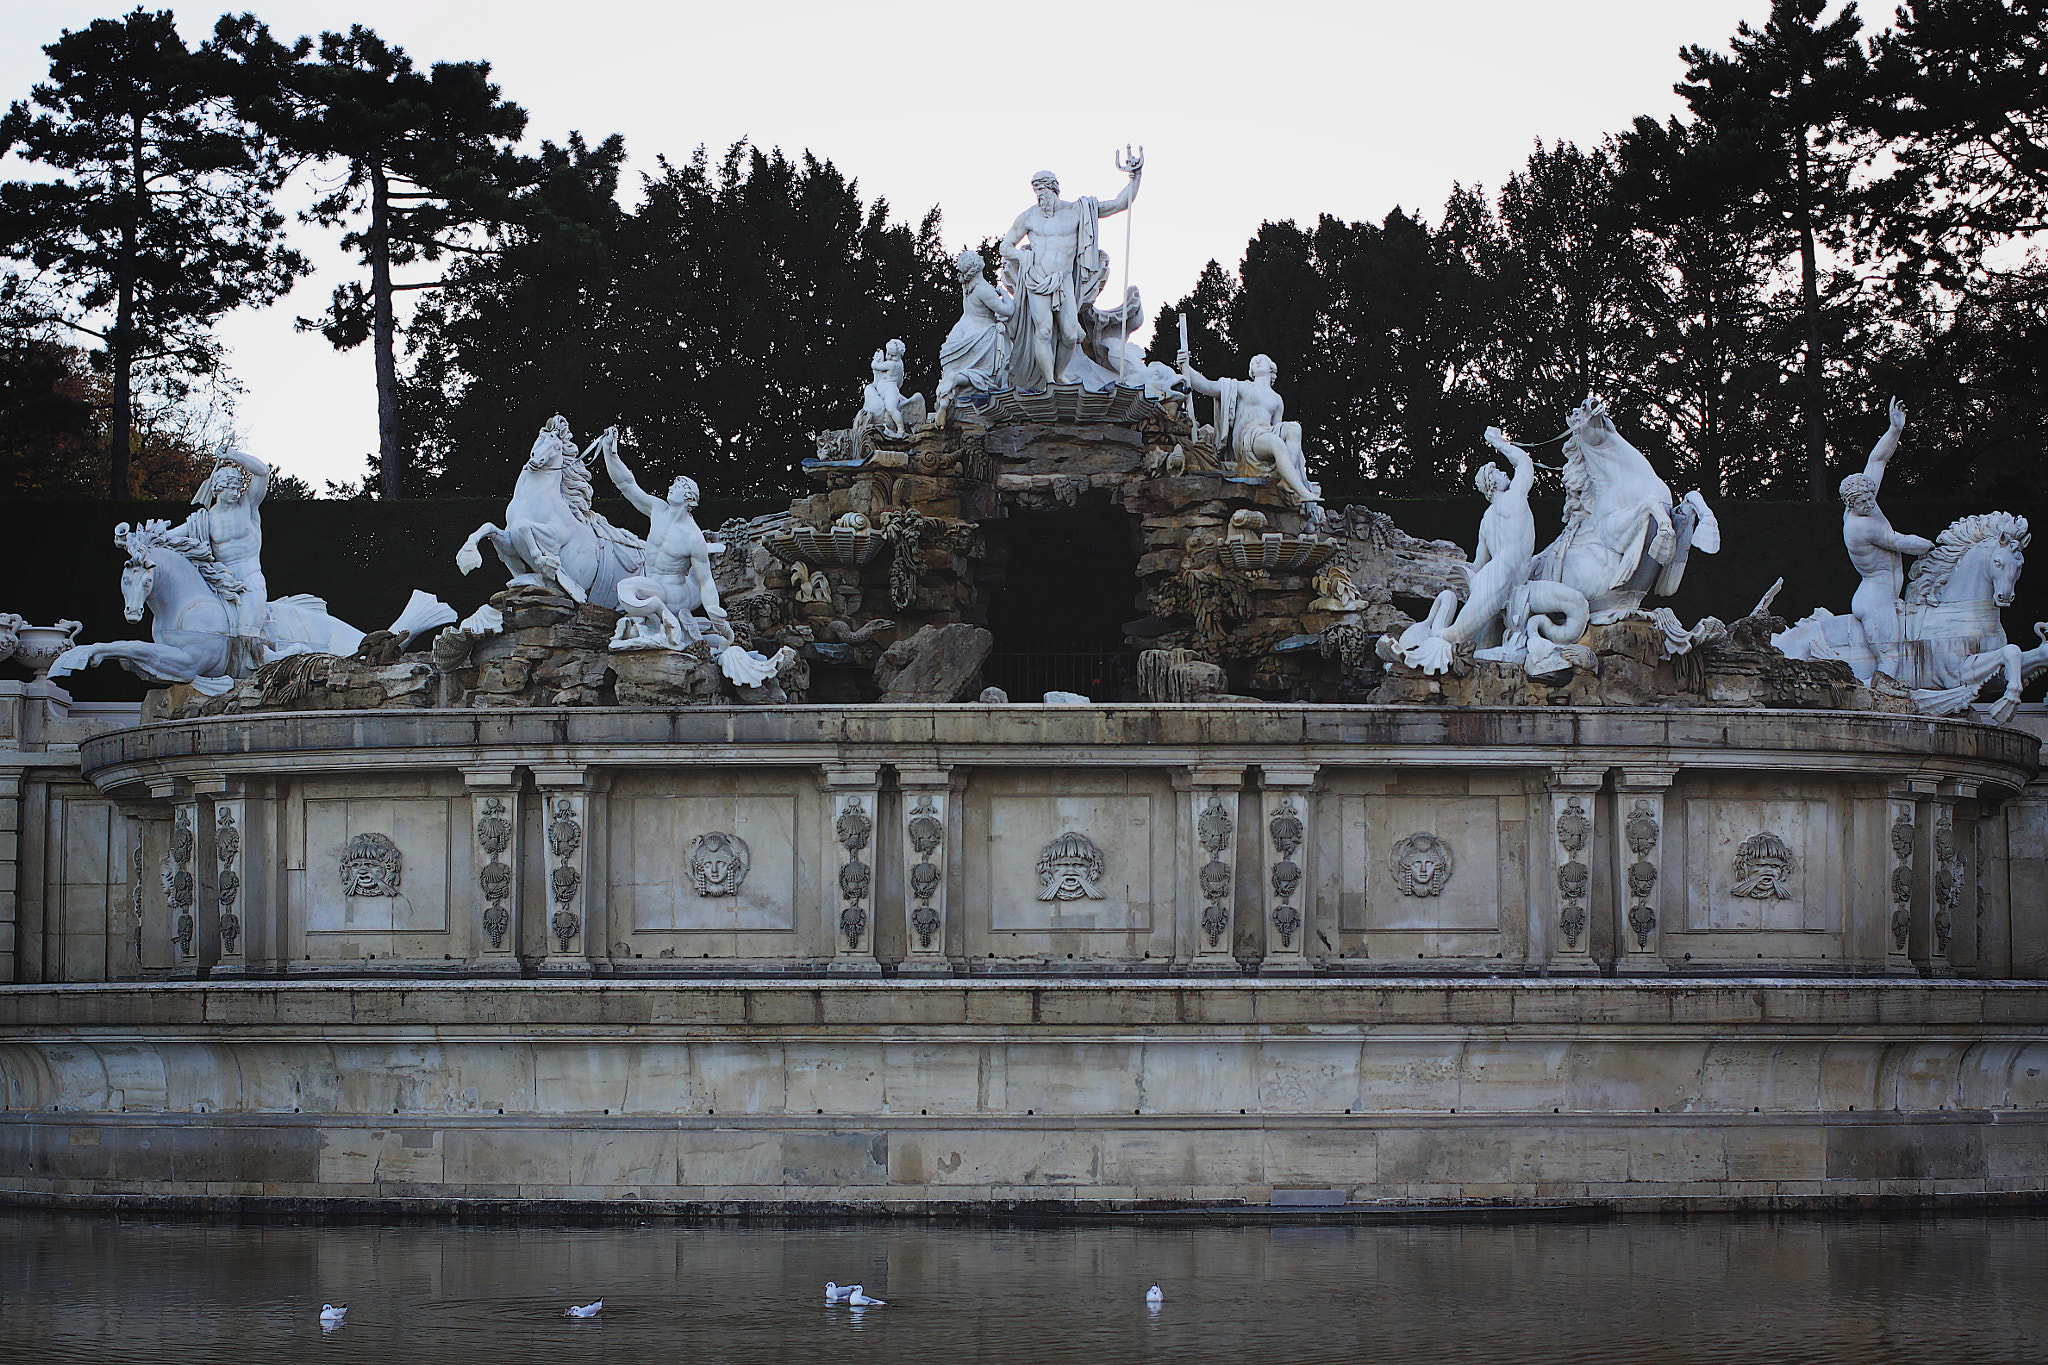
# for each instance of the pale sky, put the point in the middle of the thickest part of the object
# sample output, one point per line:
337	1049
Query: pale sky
1247	113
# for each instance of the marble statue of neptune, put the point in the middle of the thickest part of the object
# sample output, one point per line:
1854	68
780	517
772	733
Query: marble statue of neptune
1062	269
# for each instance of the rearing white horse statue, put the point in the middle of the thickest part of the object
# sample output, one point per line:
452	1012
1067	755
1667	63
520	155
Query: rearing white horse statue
551	537
1624	535
1952	642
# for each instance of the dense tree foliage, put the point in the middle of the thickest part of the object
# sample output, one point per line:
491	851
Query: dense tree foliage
157	219
1839	215
1837	221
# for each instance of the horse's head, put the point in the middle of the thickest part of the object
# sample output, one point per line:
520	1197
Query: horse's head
1589	423
552	447
2002	564
138	575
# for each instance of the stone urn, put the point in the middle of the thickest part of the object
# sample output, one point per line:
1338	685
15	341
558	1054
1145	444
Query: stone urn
37	647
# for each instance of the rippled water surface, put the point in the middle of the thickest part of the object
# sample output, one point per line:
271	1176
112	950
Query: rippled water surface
106	1289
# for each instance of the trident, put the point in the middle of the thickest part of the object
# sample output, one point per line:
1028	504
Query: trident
1130	165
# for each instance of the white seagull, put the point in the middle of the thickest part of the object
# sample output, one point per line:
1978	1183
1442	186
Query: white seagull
860	1300
1155	1295
331	1314
839	1293
588	1310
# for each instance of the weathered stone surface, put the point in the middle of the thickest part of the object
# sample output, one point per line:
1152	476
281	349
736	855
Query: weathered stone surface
659	677
937	664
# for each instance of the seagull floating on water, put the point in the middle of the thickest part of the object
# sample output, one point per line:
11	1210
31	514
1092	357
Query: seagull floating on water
860	1300
839	1293
588	1310
1155	1295
332	1313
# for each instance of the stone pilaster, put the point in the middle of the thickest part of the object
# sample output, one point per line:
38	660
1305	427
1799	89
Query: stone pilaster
1211	852
850	851
1639	867
231	857
498	894
1902	836
573	931
1562	935
1911	946
1288	808
10	868
179	877
1947	878
927	839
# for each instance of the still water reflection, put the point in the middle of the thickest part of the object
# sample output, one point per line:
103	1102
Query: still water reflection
101	1289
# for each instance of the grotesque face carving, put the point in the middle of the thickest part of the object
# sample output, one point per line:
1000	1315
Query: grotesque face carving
1763	867
371	866
719	863
1069	869
1422	865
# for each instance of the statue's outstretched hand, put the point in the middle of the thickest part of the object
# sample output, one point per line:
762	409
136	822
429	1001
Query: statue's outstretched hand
1898	415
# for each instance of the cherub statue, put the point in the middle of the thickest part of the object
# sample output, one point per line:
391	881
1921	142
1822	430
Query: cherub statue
882	402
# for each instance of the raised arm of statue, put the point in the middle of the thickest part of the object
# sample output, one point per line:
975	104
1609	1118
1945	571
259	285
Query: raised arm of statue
1136	167
259	473
622	477
1525	468
1881	453
1200	383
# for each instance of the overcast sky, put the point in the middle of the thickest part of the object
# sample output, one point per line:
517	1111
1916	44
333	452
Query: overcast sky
1247	112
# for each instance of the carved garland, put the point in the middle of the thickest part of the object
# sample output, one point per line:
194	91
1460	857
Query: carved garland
227	847
1902	876
924	829
1286	831
854	828
178	880
565	836
494	879
1574	878
1215	829
1641	832
1948	881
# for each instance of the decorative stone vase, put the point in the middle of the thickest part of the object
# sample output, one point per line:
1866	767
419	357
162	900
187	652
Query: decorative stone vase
837	546
37	647
1279	552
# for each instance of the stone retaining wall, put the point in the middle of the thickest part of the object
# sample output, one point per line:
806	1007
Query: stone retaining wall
910	1097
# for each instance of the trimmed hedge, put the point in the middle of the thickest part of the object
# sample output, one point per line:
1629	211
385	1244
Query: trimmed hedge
364	557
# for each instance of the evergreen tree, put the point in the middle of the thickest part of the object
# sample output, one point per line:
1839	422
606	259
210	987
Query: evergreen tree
429	166
160	220
1960	92
1784	103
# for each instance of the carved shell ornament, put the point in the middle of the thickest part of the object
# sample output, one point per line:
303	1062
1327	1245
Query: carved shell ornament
1422	865
1070	868
371	865
1902	836
565	835
493	830
719	863
853	827
1286	829
1572	880
1573	827
1215	827
924	828
1763	866
1641	829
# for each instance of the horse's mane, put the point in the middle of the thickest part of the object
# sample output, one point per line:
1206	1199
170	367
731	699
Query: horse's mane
577	490
1930	575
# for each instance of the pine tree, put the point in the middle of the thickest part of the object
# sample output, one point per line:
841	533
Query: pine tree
160	219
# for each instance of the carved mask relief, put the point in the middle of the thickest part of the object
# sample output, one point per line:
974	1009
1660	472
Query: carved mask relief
1069	869
1763	867
1422	865
371	866
719	863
